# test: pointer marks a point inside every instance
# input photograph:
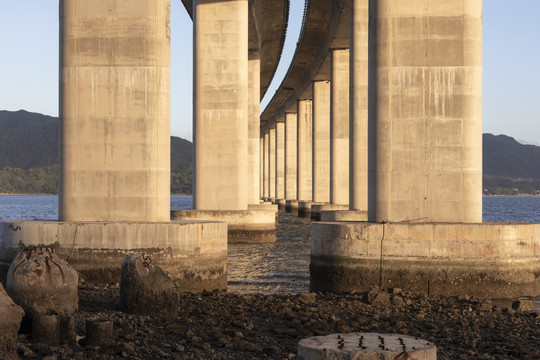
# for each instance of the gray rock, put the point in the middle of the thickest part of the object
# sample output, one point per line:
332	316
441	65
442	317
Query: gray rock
39	281
44	284
10	320
145	289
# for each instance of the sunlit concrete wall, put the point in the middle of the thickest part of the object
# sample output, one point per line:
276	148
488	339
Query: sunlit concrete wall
426	111
220	121
114	110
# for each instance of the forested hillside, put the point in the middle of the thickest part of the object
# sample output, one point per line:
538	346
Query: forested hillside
29	155
29	159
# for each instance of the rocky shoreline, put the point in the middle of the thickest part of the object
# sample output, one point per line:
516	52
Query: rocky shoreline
256	326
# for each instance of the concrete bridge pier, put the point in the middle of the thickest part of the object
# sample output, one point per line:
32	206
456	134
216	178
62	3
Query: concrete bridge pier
424	231
320	146
304	156
280	161
291	170
115	152
221	122
339	134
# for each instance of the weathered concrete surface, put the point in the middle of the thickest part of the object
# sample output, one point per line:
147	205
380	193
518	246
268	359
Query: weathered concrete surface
267	27
266	168
425	112
321	23
291	206
242	226
220	111
304	150
114	110
193	254
280	159
339	128
321	141
366	346
489	260
145	289
358	116
272	163
254	124
42	282
290	156
264	207
318	209
304	208
343	215
11	316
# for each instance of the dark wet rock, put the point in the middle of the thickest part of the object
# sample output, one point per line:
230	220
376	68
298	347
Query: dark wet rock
523	306
10	320
146	289
99	332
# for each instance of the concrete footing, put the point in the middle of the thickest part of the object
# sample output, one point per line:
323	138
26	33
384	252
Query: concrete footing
193	254
485	260
264	207
242	225
281	203
366	346
317	209
291	206
304	208
343	215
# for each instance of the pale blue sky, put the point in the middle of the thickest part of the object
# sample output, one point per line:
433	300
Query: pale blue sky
29	63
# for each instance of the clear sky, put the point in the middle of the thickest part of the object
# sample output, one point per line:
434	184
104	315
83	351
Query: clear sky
511	97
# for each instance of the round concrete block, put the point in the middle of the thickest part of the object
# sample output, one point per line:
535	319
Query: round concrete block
46	329
372	346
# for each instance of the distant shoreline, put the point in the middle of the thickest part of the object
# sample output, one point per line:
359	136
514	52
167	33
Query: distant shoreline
17	194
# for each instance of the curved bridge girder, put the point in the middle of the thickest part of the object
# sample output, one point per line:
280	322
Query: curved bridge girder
326	26
267	28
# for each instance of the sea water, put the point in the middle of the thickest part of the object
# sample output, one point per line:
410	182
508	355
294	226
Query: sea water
282	266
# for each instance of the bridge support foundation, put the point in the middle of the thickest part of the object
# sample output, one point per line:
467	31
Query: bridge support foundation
193	254
489	260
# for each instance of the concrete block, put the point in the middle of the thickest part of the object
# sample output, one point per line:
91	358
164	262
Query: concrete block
489	260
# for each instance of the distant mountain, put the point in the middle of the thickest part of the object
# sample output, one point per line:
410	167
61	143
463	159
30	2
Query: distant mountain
30	141
29	151
505	157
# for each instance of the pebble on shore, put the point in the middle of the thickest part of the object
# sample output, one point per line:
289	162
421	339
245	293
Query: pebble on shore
255	326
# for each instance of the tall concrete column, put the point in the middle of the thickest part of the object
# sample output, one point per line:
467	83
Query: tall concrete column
358	122
266	165
220	124
272	163
114	111
280	158
304	136
261	167
321	141
290	156
254	126
339	127
425	119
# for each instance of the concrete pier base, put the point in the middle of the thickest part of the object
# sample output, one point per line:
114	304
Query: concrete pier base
317	209
343	215
366	346
266	206
485	260
281	203
291	206
304	208
242	225
193	254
